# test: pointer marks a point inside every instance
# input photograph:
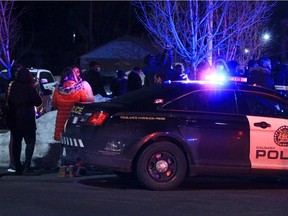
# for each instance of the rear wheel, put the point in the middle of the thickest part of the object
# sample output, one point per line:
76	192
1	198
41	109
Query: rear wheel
161	166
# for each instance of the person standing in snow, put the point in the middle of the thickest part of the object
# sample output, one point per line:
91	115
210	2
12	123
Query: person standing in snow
93	77
118	85
86	86
15	69
69	91
22	99
134	79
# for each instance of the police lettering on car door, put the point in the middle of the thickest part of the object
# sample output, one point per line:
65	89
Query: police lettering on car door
268	143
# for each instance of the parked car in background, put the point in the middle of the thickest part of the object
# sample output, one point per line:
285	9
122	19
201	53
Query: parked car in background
45	77
163	133
44	82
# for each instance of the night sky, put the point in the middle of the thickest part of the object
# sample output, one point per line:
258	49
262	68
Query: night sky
48	27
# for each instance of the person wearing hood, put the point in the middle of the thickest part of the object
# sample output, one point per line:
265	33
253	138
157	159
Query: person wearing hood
220	67
69	91
118	85
22	98
261	74
280	76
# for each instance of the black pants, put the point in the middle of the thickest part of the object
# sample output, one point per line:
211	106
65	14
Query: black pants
30	139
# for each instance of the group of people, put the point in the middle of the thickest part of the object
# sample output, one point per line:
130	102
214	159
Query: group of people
23	97
269	74
262	72
122	84
73	87
157	69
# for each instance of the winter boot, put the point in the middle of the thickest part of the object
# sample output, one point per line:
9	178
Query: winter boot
62	171
29	171
71	171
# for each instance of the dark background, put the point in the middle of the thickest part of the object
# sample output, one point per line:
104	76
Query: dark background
48	27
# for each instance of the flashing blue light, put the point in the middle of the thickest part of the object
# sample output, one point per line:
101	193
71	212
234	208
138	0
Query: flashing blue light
167	81
216	77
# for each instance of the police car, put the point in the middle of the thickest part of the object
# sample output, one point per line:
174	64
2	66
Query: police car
164	133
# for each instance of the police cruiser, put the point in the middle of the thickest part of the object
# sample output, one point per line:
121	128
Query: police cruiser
164	133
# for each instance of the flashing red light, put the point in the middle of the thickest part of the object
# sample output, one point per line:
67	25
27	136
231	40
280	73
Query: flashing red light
158	101
97	118
238	79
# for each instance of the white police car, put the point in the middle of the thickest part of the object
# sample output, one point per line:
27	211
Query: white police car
165	132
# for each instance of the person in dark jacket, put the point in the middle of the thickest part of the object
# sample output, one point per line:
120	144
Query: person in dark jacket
118	85
15	69
94	79
280	76
134	79
179	73
261	75
157	67
22	99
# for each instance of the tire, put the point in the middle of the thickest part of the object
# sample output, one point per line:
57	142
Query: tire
161	166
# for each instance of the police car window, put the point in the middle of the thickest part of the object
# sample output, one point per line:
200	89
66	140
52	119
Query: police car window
206	101
264	105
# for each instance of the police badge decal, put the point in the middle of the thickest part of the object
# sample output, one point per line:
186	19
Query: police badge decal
281	136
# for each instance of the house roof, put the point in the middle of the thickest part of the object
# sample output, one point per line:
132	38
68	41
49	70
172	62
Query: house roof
122	48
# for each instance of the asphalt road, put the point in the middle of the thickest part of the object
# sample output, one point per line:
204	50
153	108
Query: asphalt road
105	194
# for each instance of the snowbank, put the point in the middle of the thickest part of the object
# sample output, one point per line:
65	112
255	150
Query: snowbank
44	138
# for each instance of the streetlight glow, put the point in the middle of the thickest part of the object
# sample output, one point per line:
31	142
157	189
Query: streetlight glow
266	37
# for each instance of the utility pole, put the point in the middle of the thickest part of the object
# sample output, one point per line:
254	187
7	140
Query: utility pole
90	25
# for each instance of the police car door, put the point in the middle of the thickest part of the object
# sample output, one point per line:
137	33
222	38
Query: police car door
268	120
217	135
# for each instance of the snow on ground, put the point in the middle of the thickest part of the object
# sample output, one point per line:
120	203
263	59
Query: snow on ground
44	137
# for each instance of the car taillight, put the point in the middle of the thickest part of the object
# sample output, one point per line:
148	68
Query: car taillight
97	118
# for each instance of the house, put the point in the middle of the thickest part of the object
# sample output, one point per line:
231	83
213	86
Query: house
123	53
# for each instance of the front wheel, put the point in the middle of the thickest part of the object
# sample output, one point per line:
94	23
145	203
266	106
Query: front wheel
161	166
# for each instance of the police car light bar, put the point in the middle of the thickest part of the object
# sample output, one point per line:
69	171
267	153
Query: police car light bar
281	87
238	79
216	77
223	78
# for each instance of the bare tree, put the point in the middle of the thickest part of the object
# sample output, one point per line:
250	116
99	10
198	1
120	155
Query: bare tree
247	42
198	30
9	34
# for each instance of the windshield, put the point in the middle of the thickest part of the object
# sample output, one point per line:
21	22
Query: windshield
151	93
